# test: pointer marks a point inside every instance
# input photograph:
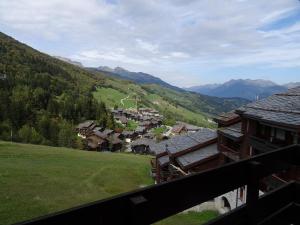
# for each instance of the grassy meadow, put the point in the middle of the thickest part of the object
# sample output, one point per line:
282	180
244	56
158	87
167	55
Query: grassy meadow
37	180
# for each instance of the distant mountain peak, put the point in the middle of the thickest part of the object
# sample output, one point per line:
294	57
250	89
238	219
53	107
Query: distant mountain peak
243	88
75	63
138	77
120	69
292	84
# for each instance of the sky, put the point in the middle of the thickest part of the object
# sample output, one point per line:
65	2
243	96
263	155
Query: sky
184	42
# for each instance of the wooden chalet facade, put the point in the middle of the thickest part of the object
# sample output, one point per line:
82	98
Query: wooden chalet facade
85	128
259	127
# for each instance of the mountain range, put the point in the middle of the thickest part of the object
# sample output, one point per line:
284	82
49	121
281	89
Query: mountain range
248	89
137	77
27	69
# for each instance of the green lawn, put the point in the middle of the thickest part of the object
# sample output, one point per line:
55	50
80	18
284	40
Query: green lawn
190	218
36	180
110	96
113	97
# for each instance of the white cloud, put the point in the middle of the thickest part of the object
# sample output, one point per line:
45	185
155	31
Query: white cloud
153	48
161	34
117	56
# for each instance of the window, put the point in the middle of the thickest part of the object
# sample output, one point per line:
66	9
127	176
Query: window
242	193
280	134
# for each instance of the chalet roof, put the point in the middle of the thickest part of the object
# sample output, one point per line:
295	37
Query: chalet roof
189	127
98	128
107	132
195	157
227	118
181	143
144	123
164	160
159	148
128	133
100	134
85	124
140	129
233	131
115	140
95	139
118	135
143	141
283	109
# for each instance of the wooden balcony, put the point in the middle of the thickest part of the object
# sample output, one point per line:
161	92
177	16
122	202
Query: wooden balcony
230	153
154	203
263	145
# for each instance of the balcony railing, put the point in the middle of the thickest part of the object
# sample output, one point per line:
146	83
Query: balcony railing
262	144
230	153
157	202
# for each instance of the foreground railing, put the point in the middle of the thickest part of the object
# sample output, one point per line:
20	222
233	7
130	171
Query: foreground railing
157	202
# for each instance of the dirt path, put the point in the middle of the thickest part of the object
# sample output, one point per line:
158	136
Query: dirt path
124	99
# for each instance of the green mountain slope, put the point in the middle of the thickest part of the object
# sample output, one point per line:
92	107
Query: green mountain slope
37	91
177	104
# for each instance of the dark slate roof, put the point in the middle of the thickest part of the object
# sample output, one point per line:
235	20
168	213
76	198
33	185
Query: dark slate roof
159	148
189	127
227	116
85	124
197	156
140	129
115	140
164	160
143	141
98	128
145	123
107	132
128	133
281	108
180	143
100	134
233	131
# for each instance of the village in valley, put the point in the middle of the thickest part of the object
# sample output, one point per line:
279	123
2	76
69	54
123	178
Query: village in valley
184	149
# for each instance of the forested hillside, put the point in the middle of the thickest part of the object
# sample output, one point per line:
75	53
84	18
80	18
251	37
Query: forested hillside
41	98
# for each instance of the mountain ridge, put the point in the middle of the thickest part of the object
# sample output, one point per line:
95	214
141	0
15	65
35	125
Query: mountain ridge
67	91
244	88
138	77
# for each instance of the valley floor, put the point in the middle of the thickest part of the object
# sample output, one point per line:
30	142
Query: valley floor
37	180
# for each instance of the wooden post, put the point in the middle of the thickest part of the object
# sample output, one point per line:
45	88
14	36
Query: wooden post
253	192
137	204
